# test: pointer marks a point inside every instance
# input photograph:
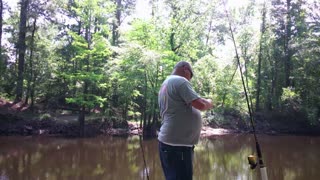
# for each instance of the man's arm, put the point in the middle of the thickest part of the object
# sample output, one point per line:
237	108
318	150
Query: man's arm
202	104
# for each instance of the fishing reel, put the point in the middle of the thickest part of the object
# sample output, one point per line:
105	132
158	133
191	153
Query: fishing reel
252	161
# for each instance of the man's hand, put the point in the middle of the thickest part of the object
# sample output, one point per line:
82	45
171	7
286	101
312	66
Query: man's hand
202	104
209	103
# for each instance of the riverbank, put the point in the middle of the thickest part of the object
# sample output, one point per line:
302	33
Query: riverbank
49	127
16	119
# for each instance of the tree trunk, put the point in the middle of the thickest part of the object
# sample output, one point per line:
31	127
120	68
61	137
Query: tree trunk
145	102
274	89
155	102
173	45
1	17
30	77
225	93
125	111
262	30
116	24
246	77
81	120
286	46
33	87
21	46
2	60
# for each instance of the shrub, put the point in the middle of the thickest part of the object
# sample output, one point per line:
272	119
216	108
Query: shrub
45	116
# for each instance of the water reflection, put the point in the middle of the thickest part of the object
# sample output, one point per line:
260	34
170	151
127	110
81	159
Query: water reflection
216	158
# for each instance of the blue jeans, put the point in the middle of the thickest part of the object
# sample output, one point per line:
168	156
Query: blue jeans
176	161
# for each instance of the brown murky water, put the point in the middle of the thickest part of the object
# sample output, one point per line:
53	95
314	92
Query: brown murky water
108	158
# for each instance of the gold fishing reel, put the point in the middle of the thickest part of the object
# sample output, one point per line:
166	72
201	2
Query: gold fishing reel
252	161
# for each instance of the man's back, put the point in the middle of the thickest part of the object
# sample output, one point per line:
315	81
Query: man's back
181	123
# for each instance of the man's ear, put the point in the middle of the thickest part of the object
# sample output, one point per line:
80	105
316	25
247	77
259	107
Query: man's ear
185	69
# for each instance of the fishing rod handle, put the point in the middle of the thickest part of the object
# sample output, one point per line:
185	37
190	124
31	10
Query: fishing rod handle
263	172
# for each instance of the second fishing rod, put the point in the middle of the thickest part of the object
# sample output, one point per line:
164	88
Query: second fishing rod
251	158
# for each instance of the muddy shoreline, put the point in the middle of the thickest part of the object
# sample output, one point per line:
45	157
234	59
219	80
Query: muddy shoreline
15	120
13	125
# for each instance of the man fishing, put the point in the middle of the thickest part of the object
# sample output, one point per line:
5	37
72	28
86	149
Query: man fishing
181	122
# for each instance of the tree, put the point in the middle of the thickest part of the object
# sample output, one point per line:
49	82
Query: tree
262	31
1	24
21	46
123	9
90	52
186	27
204	82
2	62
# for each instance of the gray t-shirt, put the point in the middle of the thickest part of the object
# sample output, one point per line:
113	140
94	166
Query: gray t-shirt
181	123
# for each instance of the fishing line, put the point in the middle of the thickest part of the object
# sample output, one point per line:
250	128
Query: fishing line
144	159
258	149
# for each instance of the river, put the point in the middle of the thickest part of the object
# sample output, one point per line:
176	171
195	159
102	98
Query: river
118	158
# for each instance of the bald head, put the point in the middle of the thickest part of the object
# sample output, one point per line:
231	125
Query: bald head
181	64
183	68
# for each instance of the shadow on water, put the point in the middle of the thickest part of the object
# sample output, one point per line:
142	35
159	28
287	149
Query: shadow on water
216	158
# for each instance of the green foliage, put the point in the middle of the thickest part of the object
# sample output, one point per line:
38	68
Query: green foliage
138	83
144	32
204	80
73	58
45	116
229	94
289	95
87	100
290	100
313	116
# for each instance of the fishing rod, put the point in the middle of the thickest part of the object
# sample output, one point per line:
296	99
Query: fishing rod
251	158
144	159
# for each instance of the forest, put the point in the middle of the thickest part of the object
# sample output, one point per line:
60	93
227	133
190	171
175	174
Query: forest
98	58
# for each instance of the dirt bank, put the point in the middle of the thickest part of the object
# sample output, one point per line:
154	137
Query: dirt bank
17	119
